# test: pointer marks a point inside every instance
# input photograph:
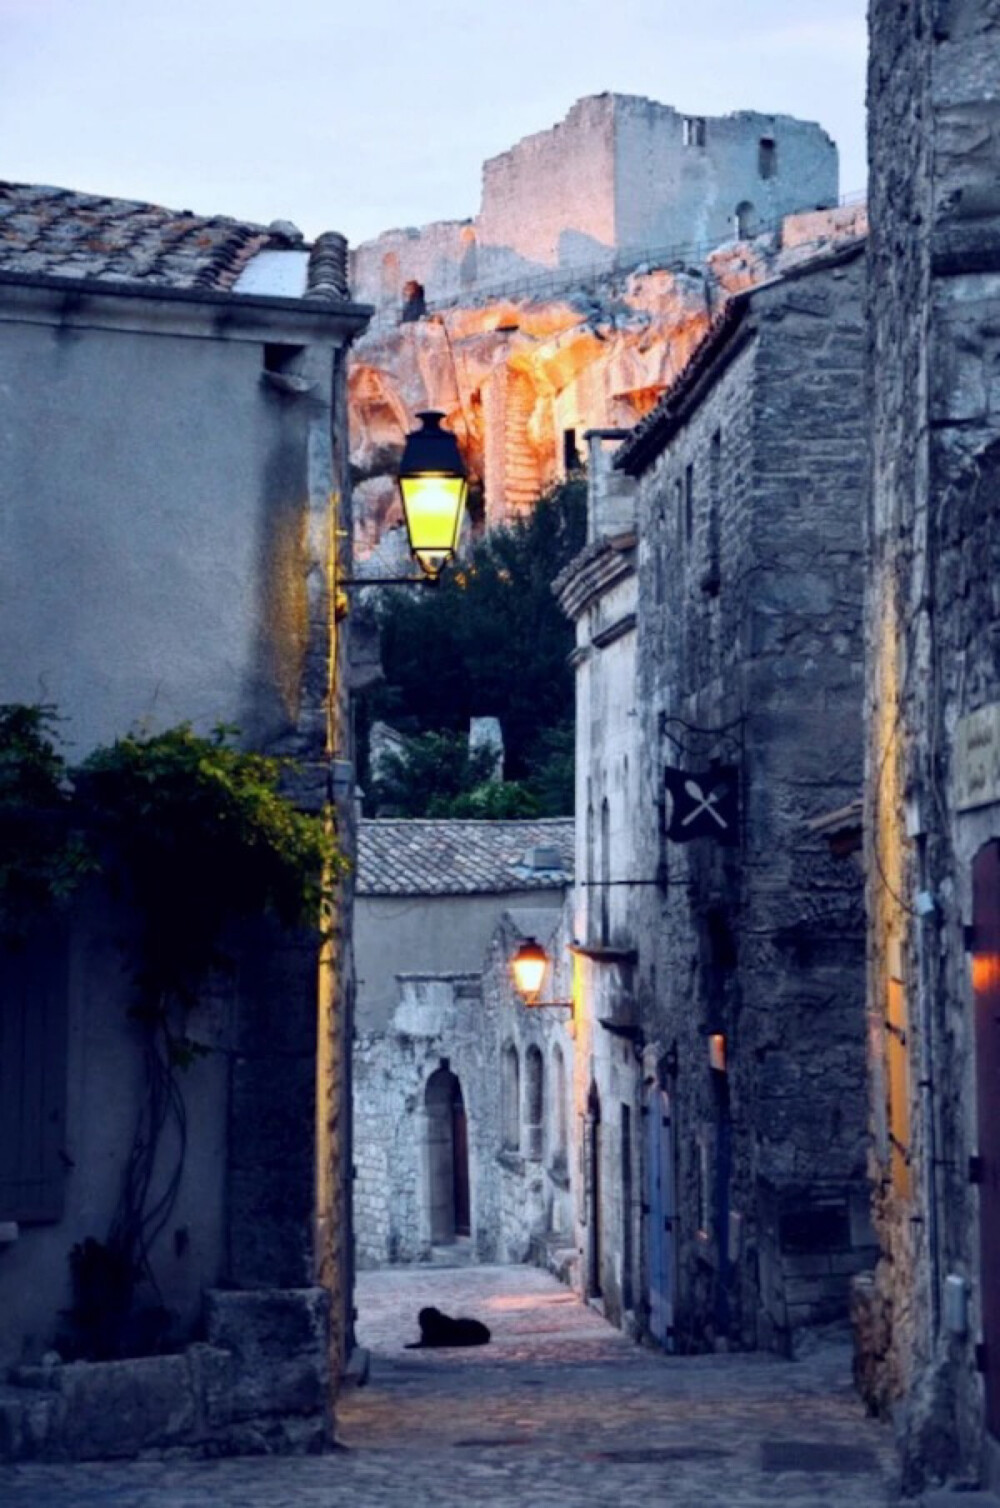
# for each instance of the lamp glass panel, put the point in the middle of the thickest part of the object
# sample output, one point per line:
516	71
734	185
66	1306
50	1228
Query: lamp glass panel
528	975
433	507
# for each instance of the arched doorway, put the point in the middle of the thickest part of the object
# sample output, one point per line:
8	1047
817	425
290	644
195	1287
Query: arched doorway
447	1158
592	1190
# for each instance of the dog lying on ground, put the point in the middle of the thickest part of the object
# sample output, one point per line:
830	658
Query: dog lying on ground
437	1329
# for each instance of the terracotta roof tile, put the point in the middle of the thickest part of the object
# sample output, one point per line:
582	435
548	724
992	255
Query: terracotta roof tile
56	232
405	856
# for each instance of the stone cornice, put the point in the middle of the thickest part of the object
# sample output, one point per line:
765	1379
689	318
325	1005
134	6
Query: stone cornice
598	567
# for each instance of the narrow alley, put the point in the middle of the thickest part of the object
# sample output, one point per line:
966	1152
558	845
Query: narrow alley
559	1409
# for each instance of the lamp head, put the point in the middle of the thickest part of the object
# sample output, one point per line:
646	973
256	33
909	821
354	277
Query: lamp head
432	479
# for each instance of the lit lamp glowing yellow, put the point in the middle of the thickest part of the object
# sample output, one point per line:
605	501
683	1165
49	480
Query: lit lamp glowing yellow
432	480
528	967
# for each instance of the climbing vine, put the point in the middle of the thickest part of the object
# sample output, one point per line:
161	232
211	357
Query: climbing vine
192	834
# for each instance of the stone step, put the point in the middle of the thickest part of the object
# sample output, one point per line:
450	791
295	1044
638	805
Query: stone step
957	1497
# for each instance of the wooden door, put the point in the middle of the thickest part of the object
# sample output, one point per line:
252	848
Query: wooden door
986	995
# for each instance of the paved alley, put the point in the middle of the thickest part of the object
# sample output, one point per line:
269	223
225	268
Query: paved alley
560	1409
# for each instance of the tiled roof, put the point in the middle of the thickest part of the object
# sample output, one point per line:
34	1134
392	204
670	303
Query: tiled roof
58	233
407	856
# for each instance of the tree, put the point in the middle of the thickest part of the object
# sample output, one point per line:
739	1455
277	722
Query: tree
491	640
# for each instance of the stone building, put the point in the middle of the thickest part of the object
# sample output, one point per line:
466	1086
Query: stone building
719	665
598	590
932	1318
460	1093
619	176
172	432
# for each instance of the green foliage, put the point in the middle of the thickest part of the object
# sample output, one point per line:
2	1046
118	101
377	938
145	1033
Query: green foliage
196	833
491	640
42	858
433	767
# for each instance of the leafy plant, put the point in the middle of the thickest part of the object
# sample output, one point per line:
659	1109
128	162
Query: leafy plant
491	640
193	834
42	857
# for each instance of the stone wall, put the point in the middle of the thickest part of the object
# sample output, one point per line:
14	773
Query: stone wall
932	615
749	655
619	176
518	1181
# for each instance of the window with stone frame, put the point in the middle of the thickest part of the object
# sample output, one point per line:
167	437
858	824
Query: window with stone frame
557	1119
534	1103
511	1099
694	131
711	577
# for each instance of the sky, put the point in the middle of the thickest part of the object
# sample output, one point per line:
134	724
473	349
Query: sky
372	114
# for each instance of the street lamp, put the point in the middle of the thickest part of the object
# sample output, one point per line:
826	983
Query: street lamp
433	482
528	967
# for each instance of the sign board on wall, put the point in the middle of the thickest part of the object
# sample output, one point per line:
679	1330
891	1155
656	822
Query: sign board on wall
977	758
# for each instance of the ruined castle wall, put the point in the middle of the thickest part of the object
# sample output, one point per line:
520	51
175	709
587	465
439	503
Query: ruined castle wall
442	257
677	186
550	199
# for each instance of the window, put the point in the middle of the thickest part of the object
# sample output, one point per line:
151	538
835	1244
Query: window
688	504
536	1101
511	1099
694	131
745	221
558	1117
571	456
767	157
32	1083
710	580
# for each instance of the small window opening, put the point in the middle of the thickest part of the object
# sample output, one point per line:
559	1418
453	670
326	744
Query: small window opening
281	358
694	131
414	302
571	456
745	221
767	157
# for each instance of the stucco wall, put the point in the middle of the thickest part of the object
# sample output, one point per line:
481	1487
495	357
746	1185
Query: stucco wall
154	538
418	934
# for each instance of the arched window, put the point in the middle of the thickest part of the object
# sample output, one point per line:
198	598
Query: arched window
557	1119
745	220
535	1101
511	1106
767	157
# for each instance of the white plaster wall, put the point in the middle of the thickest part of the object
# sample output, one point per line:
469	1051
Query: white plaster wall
421	934
154	498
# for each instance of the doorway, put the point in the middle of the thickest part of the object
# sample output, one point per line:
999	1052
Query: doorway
986	1005
447	1158
660	1228
592	1190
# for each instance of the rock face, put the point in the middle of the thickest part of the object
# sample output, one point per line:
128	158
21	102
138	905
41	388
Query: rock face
521	379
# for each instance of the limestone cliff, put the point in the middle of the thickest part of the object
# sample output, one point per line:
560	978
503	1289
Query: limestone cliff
522	378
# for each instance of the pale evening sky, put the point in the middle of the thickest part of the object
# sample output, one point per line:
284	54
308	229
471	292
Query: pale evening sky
371	114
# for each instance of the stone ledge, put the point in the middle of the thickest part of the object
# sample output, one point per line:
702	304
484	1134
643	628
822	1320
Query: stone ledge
261	1386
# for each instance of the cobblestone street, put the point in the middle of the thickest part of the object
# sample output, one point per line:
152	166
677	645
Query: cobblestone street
560	1409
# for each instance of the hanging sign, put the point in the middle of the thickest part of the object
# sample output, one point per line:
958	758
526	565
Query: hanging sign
703	805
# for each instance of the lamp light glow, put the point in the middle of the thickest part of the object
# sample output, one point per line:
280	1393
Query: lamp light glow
432	479
528	967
